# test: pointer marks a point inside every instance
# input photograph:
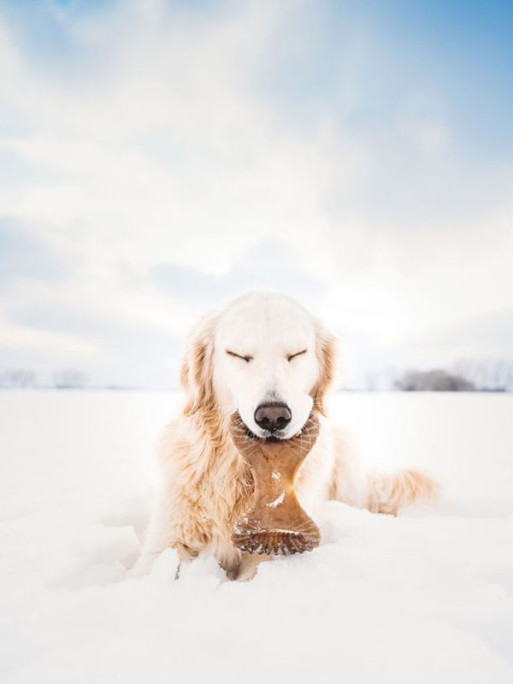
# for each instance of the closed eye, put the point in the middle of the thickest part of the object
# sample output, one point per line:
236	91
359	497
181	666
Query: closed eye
299	353
245	358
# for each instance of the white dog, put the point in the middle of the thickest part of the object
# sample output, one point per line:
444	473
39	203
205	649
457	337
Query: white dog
266	357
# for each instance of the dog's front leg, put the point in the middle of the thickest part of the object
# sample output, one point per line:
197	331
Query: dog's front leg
170	526
242	566
157	539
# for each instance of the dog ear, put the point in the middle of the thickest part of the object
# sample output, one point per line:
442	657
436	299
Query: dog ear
326	351
196	374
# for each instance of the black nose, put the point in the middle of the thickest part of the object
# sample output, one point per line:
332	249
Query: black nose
272	417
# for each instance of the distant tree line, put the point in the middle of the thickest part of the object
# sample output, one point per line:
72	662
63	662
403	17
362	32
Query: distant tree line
487	376
433	381
24	378
68	379
18	377
467	376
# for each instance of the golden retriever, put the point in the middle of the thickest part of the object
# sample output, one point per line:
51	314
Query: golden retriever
266	357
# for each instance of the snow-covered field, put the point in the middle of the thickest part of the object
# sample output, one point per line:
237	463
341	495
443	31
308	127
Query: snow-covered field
423	598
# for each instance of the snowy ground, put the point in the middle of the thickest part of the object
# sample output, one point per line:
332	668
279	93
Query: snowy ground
423	598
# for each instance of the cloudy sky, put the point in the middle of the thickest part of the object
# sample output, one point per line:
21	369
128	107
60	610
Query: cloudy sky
158	157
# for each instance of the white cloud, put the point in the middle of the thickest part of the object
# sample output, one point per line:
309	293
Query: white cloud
64	345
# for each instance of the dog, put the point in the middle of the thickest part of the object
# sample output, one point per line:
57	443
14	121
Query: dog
266	357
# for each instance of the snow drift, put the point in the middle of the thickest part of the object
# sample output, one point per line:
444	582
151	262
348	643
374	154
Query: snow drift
425	597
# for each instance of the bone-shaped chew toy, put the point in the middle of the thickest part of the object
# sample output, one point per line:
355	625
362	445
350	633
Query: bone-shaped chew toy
275	524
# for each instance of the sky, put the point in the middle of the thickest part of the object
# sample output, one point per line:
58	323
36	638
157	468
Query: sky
159	157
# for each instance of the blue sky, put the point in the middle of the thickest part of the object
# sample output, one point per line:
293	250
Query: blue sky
461	51
159	157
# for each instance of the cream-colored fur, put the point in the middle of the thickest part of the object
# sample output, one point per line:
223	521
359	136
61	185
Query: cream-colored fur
205	484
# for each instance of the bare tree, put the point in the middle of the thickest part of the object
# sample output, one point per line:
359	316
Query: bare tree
371	381
488	375
68	379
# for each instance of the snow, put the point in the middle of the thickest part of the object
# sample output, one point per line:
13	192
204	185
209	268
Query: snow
424	598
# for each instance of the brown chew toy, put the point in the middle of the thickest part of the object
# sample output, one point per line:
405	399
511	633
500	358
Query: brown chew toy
276	523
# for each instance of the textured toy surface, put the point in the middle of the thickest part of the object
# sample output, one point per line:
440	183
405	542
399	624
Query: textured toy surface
275	524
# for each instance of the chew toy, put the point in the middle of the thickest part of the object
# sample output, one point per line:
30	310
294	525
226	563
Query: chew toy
275	524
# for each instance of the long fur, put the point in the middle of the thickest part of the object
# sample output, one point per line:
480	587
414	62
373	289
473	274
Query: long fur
206	486
387	493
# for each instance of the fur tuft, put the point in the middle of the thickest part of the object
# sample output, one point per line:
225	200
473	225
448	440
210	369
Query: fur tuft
326	354
389	493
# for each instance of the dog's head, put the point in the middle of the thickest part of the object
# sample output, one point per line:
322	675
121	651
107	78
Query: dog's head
264	356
